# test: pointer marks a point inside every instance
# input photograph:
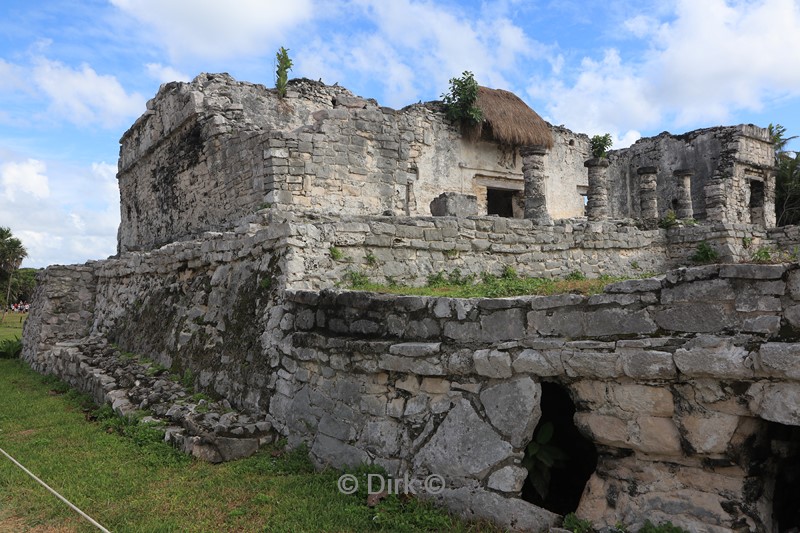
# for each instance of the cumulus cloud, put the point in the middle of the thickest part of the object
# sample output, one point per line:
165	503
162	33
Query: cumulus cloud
67	220
82	96
705	61
214	29
414	48
23	178
165	74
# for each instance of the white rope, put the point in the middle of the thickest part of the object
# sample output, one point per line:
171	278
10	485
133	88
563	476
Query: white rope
57	495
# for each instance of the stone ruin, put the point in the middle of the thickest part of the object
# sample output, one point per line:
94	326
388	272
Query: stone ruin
676	397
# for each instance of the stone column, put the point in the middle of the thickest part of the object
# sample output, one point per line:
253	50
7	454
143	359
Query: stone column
769	200
533	173
716	199
683	180
597	195
648	195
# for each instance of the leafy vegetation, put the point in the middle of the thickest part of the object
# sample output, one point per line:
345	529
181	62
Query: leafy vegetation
12	252
10	348
123	475
541	457
705	253
461	100
670	220
577	525
787	177
336	253
762	255
282	70
600	145
664	527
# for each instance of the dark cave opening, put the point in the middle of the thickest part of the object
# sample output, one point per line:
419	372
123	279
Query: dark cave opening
785	451
568	480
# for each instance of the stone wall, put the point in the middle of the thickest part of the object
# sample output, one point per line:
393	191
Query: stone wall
675	379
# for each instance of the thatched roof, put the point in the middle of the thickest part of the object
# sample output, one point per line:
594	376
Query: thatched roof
510	120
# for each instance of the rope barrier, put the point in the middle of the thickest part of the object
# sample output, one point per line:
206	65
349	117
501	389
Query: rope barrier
57	495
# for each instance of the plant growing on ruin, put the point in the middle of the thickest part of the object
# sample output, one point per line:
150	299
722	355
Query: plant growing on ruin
371	259
576	525
664	527
705	253
762	255
336	253
600	145
461	100
670	220
282	71
541	457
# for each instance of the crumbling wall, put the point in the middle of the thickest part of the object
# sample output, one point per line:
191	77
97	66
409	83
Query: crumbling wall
723	158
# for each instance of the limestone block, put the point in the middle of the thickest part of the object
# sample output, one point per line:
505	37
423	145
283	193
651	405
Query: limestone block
793	284
752	271
451	204
412	365
634	285
778	359
463	446
642	399
709	433
604	429
606	322
543	363
699	291
471	501
508	479
587	364
415	349
647	364
777	402
711	356
513	408
435	385
503	325
492	363
762	324
657	436
382	437
328	451
695	318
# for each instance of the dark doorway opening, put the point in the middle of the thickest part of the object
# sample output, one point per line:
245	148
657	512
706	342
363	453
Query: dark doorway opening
785	450
756	202
500	202
566	483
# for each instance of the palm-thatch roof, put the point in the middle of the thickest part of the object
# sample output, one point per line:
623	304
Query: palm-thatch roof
510	120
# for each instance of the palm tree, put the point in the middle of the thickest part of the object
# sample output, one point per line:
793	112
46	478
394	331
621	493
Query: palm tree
12	252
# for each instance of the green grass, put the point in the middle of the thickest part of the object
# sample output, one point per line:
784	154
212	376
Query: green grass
138	483
456	285
12	327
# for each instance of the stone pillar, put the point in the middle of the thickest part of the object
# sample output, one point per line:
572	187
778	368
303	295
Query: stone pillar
648	196
533	173
597	195
716	199
769	200
683	180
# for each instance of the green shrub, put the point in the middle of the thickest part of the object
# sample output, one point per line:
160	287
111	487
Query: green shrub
705	254
282	72
575	275
576	525
541	457
600	145
356	279
10	348
336	253
460	101
371	259
762	255
670	220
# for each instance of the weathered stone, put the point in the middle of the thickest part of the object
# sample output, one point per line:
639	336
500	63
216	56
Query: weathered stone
543	363
634	285
513	408
647	364
492	363
699	291
779	360
508	479
776	402
713	356
657	435
710	433
328	451
592	364
752	271
696	318
415	349
642	399
464	446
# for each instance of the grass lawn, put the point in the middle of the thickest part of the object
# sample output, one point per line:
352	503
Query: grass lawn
137	483
12	327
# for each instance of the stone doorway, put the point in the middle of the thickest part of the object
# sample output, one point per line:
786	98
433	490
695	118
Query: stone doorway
566	483
500	202
784	449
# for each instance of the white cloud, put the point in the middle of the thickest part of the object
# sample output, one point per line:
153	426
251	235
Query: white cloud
75	222
83	96
27	177
415	47
214	29
165	74
712	59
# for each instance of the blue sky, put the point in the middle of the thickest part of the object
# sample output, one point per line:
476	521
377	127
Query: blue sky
74	75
